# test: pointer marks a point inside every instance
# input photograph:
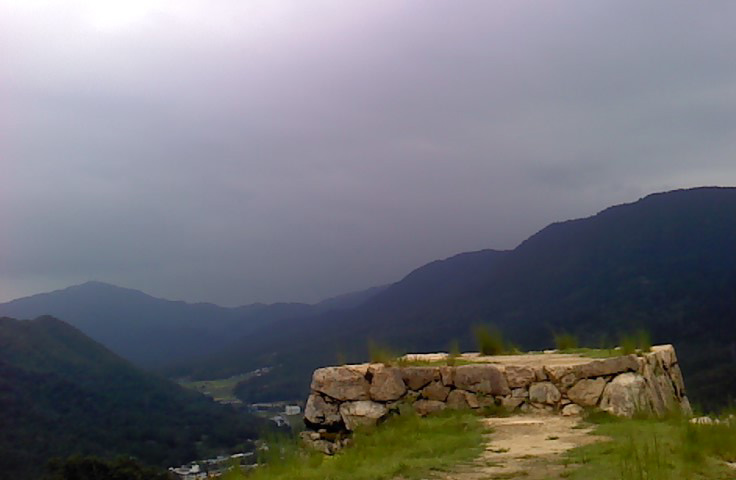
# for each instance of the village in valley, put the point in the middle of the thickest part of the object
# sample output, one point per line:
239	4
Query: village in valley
286	415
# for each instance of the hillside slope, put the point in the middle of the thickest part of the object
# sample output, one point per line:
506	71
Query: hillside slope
62	393
666	263
154	332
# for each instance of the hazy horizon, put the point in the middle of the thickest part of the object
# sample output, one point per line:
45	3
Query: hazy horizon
273	150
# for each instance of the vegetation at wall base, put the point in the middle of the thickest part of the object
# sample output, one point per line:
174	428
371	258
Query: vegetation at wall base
651	449
405	446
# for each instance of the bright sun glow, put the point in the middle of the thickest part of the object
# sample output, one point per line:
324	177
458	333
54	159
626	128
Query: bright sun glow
113	15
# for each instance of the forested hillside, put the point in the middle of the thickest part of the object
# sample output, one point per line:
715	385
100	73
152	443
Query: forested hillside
62	394
666	263
152	332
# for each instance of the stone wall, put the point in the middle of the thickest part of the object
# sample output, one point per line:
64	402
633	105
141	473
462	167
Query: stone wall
345	397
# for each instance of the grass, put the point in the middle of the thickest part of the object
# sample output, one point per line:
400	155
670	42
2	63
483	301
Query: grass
221	390
490	340
565	341
594	352
648	449
405	446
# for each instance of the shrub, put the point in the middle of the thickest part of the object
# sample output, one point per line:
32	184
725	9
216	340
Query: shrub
639	342
565	341
453	353
489	339
382	354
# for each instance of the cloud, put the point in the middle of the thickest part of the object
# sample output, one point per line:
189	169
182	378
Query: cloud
272	150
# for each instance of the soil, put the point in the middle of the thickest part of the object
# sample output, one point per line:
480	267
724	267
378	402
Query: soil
529	447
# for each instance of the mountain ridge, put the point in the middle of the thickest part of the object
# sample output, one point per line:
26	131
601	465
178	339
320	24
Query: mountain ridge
153	332
665	262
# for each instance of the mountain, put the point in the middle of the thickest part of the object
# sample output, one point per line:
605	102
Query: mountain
61	393
153	332
665	263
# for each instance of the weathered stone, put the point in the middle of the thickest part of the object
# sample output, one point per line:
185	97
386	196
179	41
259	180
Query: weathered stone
448	375
556	372
456	400
511	403
594	368
572	410
540	374
587	392
660	392
481	378
362	412
677	381
567	381
320	412
341	383
426	407
386	384
519	376
472	400
626	395
418	377
666	353
685	407
607	366
520	393
544	392
436	391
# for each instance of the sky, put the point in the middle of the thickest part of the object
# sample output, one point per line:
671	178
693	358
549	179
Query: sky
263	150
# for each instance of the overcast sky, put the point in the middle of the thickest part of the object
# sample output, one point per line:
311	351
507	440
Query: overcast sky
262	150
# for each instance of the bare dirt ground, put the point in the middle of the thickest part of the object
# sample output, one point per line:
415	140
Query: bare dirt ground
529	447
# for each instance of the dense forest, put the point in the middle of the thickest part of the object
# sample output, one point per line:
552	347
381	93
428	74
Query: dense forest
62	394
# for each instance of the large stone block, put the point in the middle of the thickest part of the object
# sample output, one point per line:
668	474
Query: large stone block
344	383
456	400
587	391
361	413
448	375
519	376
386	384
320	412
594	368
481	378
677	380
436	391
418	377
626	395
544	392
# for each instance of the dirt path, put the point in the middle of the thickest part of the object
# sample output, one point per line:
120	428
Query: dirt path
528	447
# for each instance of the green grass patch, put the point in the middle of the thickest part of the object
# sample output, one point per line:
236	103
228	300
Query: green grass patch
655	450
450	361
594	352
221	390
405	446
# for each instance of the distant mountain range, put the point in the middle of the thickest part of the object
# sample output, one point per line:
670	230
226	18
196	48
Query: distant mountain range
153	332
61	393
666	263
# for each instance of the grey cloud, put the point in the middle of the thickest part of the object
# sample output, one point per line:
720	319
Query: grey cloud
246	151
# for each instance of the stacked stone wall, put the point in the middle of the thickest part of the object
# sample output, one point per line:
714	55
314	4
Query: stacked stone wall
345	397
